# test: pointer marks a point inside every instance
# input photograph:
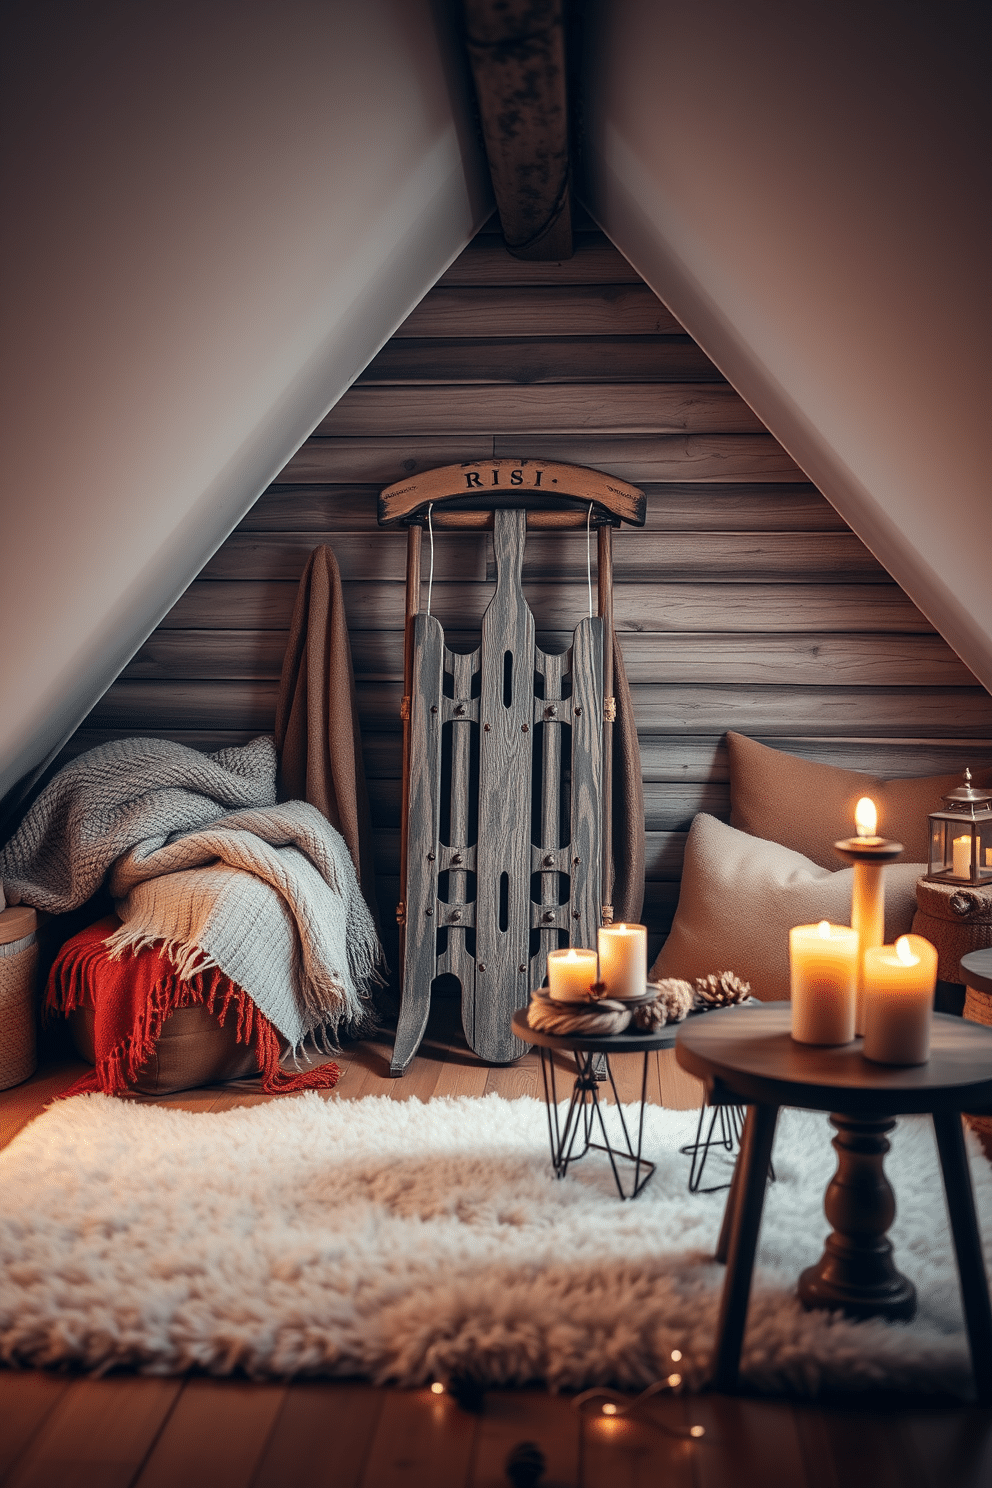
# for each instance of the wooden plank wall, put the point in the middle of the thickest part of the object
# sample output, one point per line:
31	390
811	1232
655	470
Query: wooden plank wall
745	604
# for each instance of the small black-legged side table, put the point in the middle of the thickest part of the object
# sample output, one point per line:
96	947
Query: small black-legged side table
750	1057
572	1138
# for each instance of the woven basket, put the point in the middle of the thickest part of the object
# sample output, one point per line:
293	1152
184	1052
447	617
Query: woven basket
954	918
18	967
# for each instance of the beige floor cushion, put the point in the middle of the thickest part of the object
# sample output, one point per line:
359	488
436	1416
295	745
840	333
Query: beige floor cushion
192	1049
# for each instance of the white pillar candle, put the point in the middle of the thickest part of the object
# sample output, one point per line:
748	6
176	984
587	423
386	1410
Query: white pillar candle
570	974
868	919
899	1001
962	857
623	960
867	901
823	965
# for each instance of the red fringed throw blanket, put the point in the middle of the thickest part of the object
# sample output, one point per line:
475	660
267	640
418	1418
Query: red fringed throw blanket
131	998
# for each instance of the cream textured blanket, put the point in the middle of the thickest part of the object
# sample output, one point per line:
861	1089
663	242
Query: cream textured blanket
267	893
271	897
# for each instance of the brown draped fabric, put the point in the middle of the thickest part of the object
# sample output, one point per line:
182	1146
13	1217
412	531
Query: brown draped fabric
628	803
320	747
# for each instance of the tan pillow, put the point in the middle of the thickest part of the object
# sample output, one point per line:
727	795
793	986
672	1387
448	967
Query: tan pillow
807	806
741	896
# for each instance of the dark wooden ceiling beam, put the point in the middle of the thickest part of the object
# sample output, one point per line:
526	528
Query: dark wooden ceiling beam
516	50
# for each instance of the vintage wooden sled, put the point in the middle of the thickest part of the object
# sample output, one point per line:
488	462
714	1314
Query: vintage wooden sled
505	840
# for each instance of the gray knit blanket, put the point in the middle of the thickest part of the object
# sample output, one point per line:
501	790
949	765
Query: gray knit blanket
201	858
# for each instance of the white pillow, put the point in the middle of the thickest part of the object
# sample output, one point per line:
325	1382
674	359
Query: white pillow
741	895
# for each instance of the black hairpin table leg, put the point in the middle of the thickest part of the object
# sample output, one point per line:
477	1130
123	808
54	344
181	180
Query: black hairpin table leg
572	1137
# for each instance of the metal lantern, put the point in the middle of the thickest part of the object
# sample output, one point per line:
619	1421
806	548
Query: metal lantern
961	837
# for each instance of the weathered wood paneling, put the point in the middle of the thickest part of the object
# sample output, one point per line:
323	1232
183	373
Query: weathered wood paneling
486	261
744	603
373	555
578	408
800	660
542	310
639	557
640	459
740	608
659	708
407	362
672	507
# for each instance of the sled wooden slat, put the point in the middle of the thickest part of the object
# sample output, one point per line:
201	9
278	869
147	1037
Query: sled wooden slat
502	933
551	713
461	857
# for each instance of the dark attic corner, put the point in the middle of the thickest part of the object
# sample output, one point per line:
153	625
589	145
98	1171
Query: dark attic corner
496	973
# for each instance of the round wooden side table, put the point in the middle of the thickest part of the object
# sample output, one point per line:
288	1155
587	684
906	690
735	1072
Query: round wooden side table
751	1058
573	1138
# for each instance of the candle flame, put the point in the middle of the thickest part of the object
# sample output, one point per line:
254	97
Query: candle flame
905	952
865	817
572	955
823	929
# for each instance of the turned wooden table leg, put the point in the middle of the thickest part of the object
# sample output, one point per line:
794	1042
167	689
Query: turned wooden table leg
752	1161
856	1272
723	1244
968	1247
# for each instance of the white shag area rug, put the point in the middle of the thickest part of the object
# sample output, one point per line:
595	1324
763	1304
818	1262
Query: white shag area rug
402	1241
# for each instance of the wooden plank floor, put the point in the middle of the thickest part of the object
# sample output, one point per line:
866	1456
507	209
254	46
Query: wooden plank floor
68	1431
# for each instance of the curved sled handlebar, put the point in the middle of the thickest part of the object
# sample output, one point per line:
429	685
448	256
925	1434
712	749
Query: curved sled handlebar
554	494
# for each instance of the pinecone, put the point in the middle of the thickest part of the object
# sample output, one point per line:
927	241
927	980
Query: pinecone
721	989
672	1001
525	1465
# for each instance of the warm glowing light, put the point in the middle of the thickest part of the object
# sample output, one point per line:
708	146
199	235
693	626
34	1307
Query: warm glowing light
676	1355
609	1409
674	1380
823	929
697	1431
905	952
437	1388
865	817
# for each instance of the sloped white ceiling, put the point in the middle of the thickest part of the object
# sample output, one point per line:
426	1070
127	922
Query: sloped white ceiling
217	211
807	187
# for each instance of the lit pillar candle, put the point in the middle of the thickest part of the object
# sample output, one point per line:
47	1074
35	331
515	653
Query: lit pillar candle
623	960
899	1001
570	974
869	854
823	967
961	861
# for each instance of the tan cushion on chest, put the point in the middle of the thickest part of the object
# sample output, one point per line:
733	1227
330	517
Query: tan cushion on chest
808	807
